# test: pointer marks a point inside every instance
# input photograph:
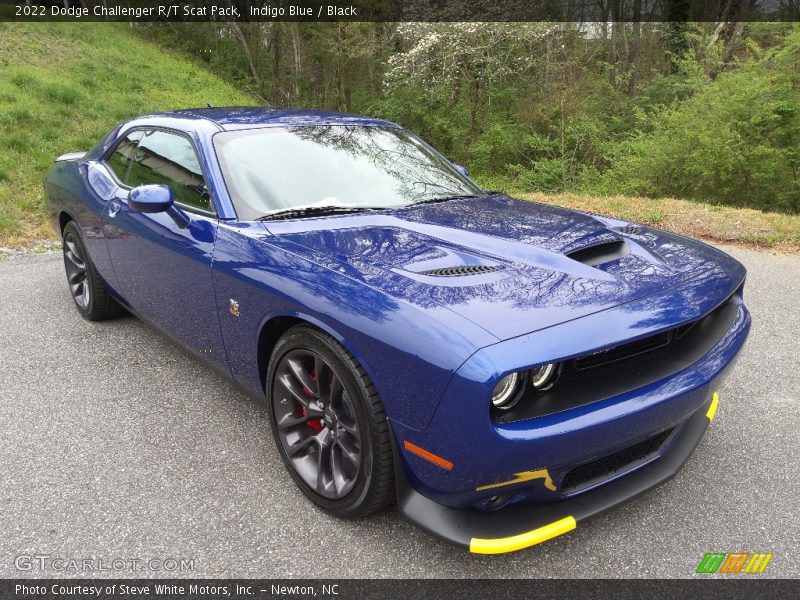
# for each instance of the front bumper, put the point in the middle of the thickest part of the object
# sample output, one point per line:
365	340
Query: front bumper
497	487
520	526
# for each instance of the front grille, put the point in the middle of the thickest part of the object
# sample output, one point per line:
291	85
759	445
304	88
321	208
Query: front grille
629	366
599	253
613	464
460	270
639	347
625	351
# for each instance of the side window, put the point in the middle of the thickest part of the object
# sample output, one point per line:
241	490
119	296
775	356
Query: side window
120	160
168	158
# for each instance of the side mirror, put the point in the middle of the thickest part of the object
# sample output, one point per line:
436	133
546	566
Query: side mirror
156	198
150	198
462	170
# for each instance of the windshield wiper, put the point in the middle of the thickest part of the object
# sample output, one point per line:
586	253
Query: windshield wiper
443	199
309	211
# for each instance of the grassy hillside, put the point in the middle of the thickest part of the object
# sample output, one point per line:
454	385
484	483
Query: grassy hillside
62	86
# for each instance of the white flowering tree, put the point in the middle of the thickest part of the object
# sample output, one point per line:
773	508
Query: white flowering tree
471	56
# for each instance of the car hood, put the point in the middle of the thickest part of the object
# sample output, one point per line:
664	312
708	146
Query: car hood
511	267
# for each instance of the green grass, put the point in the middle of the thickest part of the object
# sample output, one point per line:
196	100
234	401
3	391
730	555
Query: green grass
63	86
710	221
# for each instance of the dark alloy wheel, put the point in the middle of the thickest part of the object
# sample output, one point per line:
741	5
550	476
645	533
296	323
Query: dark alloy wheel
85	285
75	265
329	424
316	423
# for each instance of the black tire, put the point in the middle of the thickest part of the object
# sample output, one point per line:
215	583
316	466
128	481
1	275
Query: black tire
343	400
88	290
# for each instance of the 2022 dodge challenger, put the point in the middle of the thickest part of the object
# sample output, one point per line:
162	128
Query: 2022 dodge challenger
504	369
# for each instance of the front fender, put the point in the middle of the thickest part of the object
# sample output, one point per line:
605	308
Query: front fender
410	354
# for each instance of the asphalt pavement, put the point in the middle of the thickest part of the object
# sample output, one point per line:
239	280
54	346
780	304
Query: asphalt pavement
114	444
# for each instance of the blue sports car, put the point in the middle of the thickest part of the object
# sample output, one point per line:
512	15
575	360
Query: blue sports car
502	369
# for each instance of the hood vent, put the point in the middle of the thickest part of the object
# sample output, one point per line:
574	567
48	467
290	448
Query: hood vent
459	271
598	254
630	229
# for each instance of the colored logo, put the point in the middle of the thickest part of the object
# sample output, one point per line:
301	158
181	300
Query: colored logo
735	562
234	308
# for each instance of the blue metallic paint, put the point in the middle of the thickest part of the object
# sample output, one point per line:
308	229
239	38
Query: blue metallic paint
268	278
537	285
151	198
433	348
163	271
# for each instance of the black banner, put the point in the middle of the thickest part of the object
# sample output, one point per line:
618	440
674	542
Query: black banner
577	11
401	589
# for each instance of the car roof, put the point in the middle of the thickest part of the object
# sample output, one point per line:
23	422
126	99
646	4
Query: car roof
247	117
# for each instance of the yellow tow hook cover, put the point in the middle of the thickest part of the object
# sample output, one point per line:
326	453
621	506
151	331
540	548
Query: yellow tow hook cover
523	540
712	410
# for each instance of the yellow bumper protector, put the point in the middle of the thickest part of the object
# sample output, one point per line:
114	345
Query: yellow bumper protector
520	477
523	540
712	410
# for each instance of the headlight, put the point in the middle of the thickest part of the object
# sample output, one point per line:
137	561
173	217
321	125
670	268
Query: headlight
542	377
505	393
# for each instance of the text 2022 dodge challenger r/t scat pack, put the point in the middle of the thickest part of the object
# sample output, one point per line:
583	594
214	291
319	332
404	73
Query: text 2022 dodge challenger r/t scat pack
504	369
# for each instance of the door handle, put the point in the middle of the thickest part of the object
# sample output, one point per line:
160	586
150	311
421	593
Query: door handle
113	208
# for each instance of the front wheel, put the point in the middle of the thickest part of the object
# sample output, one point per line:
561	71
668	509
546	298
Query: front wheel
329	424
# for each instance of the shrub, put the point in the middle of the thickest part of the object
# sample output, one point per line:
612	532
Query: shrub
736	141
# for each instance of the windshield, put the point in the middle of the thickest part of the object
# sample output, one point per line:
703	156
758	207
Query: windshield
279	168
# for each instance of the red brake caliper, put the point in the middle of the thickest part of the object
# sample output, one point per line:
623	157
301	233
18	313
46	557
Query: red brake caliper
315	424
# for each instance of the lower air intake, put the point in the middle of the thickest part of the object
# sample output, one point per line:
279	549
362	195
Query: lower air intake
614	464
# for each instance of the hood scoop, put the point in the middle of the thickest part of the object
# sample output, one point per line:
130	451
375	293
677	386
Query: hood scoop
597	254
459	271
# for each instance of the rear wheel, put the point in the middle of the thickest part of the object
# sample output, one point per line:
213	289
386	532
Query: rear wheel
329	424
87	289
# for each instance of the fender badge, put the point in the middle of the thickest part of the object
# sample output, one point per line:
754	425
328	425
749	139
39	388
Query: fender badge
234	308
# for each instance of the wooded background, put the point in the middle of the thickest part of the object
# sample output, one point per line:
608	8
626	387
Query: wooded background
704	111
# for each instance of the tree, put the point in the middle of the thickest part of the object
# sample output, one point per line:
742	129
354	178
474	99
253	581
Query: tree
475	56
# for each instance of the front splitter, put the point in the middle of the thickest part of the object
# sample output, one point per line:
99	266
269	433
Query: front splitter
522	526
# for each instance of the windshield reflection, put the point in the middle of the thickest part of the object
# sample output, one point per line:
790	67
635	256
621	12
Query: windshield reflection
278	168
